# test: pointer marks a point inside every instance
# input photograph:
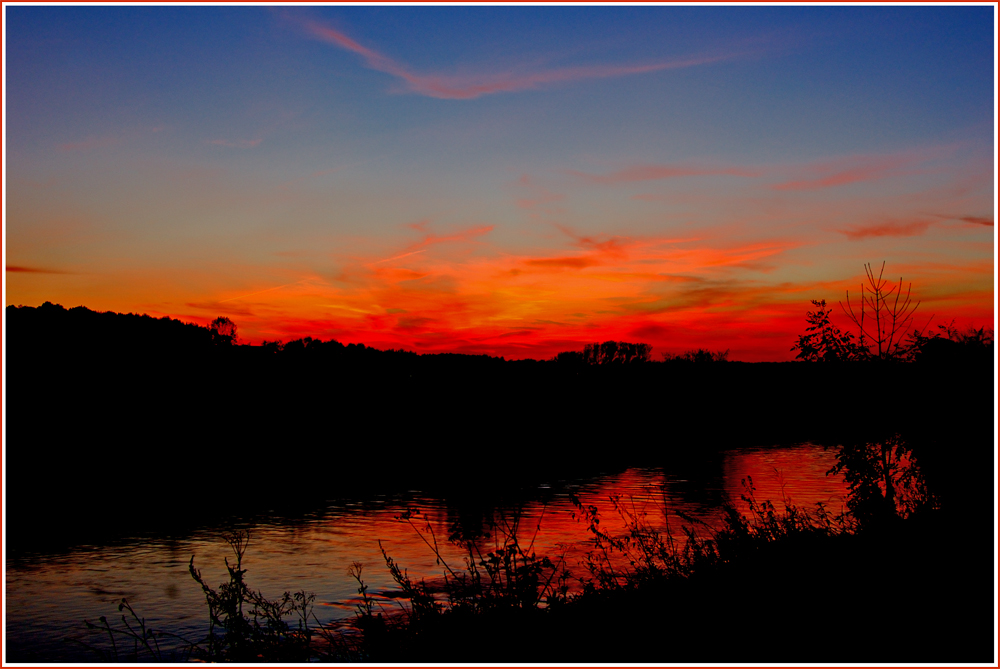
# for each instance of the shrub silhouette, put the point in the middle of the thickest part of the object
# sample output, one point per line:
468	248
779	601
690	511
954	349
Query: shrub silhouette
823	341
253	628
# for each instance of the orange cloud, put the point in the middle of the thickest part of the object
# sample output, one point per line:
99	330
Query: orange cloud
531	306
451	87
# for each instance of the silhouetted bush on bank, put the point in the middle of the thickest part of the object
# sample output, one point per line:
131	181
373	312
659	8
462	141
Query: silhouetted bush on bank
769	586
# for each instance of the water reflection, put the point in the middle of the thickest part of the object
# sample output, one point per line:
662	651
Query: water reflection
48	597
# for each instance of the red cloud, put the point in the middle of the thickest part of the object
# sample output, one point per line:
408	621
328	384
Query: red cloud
887	230
574	262
978	220
32	270
469	87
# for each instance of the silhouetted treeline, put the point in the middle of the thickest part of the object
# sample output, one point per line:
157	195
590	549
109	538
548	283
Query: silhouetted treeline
138	419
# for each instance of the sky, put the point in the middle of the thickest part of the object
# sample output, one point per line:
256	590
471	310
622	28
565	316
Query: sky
513	181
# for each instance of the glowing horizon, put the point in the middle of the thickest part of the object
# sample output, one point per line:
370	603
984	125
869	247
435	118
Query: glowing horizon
514	181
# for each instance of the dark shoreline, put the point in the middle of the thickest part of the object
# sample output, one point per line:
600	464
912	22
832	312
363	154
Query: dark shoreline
117	422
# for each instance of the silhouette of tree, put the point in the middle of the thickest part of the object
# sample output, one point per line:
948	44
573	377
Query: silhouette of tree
823	341
883	479
702	355
949	345
224	331
888	313
272	347
615	353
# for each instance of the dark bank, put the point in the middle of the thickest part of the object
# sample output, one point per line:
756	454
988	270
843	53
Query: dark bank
121	423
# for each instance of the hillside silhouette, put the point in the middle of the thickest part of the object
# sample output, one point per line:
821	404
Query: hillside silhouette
124	420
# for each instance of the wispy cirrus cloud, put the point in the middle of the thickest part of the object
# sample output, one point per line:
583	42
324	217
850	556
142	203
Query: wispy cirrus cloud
467	87
887	229
538	196
431	239
656	172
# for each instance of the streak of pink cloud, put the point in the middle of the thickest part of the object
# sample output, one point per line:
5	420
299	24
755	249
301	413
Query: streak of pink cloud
842	172
655	172
539	194
889	229
468	87
461	236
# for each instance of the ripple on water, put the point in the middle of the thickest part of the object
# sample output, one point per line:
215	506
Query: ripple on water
49	596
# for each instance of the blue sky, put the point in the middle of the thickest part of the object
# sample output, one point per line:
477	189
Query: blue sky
498	179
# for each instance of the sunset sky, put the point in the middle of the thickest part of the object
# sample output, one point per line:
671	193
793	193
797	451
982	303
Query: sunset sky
515	181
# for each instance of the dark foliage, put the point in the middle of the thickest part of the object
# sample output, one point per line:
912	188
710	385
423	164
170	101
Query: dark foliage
245	626
766	587
607	354
700	356
823	341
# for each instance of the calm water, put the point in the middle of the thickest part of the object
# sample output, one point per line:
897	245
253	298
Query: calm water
47	598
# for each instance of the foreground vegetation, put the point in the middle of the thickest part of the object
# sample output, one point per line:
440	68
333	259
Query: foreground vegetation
769	585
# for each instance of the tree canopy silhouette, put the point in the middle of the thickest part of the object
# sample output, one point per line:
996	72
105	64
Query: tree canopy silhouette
224	331
823	341
608	354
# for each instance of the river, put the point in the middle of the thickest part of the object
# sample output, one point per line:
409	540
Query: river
48	596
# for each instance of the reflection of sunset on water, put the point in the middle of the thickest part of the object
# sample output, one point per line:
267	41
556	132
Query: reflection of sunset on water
786	474
313	553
